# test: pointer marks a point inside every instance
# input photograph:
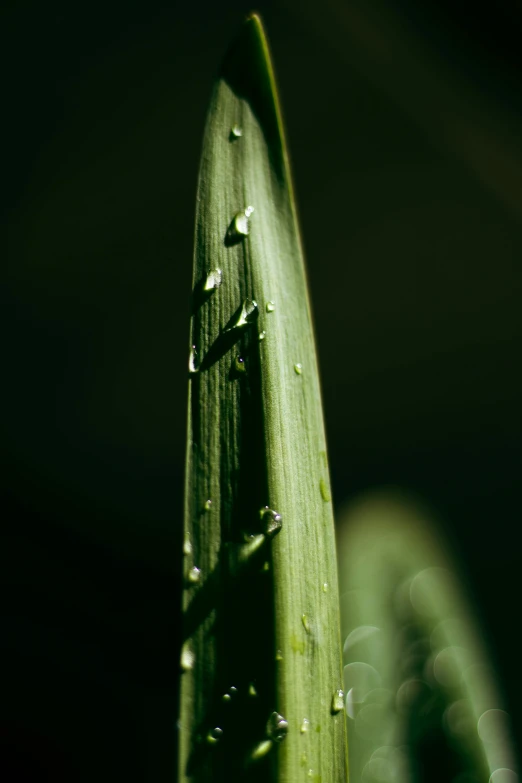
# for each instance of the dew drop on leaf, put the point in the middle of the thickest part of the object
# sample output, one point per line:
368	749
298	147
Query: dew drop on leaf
306	623
261	749
214	279
272	521
261	336
298	368
194	575
249	313
325	493
305	725
193	360
207	505
235	132
240	225
214	735
337	701
270	307
277	727
239	364
187	658
187	545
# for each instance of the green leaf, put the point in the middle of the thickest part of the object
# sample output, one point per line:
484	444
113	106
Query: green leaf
262	655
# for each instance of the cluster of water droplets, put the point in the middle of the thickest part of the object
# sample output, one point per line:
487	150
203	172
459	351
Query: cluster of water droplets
440	677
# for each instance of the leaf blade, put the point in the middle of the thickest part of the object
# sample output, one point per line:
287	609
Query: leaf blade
259	441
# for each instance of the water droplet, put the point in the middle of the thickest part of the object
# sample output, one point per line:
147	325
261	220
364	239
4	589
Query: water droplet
297	644
230	693
235	132
326	587
187	658
194	575
262	749
249	313
270	307
305	725
239	364
252	690
266	566
214	279
271	520
187	545
298	368
214	735
279	655
337	701
325	492
207	505
240	226
358	635
277	727
306	623
261	336
193	361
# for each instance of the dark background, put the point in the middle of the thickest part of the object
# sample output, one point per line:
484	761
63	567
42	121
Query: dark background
404	124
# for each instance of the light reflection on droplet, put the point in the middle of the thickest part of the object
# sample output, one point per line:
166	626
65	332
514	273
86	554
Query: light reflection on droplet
194	575
449	665
271	520
426	587
503	775
358	634
362	677
493	727
337	701
277	727
193	361
187	658
261	749
214	735
187	545
213	280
